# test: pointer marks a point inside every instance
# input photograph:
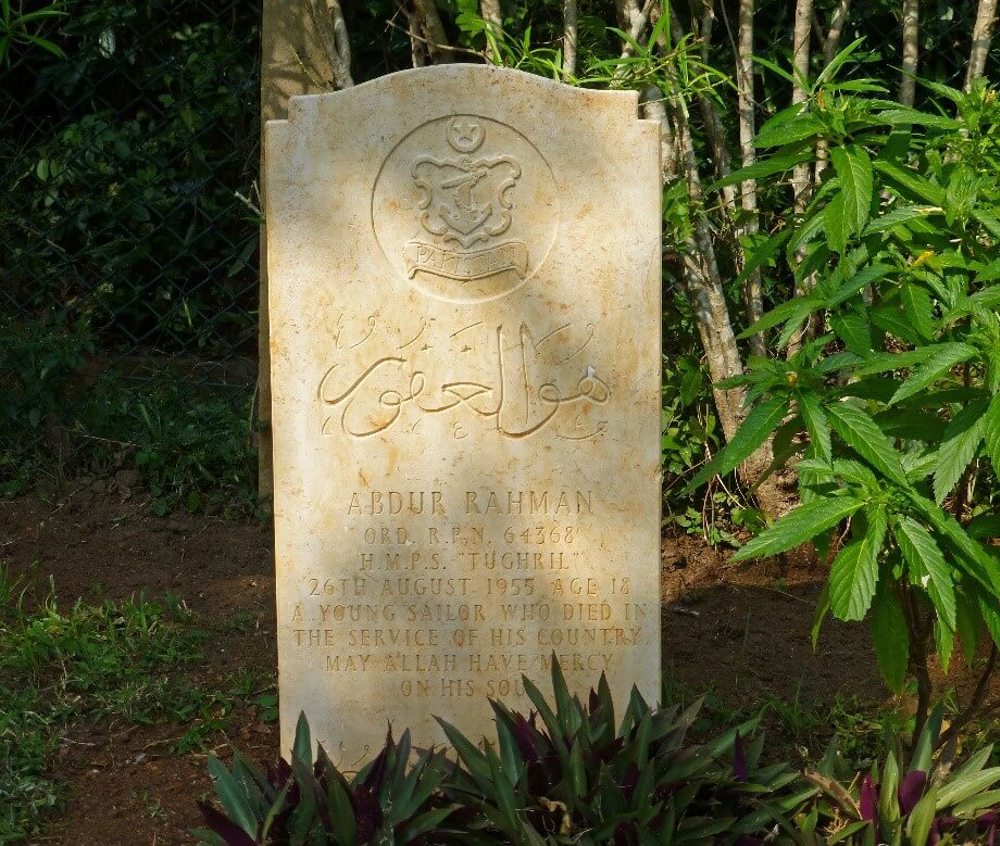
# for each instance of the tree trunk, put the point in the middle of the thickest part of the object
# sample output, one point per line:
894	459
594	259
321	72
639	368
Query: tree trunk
982	32
569	39
802	174
911	47
438	46
752	291
490	10
702	281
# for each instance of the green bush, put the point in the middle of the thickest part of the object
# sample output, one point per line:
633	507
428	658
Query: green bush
568	774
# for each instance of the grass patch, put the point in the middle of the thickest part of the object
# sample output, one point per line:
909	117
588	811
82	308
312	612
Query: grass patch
120	663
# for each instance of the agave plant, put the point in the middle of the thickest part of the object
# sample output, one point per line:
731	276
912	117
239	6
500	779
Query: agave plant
931	804
309	802
570	774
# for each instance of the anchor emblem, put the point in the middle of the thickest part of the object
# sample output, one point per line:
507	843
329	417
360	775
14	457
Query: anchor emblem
466	199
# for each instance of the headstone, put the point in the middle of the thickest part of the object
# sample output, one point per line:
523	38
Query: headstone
465	337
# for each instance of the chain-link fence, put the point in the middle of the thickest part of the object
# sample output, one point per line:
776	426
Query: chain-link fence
128	273
129	221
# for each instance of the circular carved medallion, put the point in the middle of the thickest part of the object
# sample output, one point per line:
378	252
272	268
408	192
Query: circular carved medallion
465	208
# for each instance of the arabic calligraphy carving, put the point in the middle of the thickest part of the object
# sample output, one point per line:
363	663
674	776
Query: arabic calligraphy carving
465	207
508	383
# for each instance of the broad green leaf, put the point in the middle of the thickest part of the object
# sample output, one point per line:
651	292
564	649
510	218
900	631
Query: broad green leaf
798	526
890	636
928	567
854	169
918	308
863	435
854	574
918	828
910	117
961	440
984	527
941	359
992	433
944	642
816	423
232	796
853	329
800	129
759	255
978	561
837	224
962	787
911	181
897	217
794	309
892	361
765	167
968	624
758	426
865	276
853	578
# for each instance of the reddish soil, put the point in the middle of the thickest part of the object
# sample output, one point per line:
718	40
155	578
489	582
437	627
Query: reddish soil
741	631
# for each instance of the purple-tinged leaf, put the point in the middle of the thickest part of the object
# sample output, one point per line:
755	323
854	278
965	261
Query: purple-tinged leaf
911	789
368	813
868	799
224	827
524	737
934	835
630	781
739	759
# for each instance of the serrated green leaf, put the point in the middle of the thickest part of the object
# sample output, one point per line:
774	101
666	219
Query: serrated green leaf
961	440
897	217
855	571
816	422
968	624
864	277
758	426
927	564
941	359
992	433
764	167
911	181
794	309
798	526
854	330
836	224
890	637
944	642
854	169
918	308
863	435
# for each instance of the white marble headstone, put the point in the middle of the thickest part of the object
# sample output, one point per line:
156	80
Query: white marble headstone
464	268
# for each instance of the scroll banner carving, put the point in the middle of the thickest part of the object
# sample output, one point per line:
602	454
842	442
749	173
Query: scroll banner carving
475	264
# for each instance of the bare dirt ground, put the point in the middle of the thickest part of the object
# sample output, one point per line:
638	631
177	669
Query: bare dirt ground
741	631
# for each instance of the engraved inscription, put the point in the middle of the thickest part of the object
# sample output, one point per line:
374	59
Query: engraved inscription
461	609
514	383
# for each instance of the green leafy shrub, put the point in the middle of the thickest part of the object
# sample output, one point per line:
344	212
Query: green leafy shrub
311	802
893	404
562	775
933	802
